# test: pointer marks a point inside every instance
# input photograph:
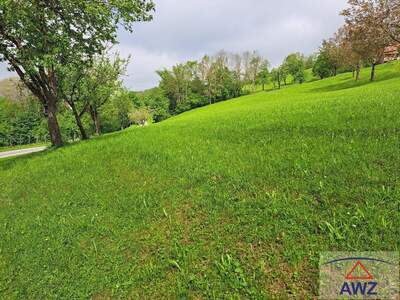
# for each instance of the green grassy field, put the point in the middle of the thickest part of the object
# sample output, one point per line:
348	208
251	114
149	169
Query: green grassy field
233	200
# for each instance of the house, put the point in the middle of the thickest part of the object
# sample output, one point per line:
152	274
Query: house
391	53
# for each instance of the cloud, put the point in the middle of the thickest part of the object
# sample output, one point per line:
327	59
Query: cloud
141	62
187	29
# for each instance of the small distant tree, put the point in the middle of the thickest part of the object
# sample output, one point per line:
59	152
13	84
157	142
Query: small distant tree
246	65
322	67
176	84
330	57
255	64
284	73
236	68
154	100
117	110
309	61
263	75
276	76
294	64
332	50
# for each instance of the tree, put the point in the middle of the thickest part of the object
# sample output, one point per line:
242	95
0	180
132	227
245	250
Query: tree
115	114
99	84
390	16
294	64
39	37
332	50
204	73
177	85
72	91
309	61
264	73
284	73
222	79
154	100
322	67
236	68
350	58
365	32
254	68
246	60
330	57
276	76
384	13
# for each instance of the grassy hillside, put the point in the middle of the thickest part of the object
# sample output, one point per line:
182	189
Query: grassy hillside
233	199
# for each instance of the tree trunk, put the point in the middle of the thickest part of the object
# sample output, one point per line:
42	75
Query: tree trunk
96	120
54	128
78	120
263	86
358	72
97	124
373	72
334	71
353	71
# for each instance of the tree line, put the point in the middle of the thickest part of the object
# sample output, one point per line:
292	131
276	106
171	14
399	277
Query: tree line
211	79
227	75
215	78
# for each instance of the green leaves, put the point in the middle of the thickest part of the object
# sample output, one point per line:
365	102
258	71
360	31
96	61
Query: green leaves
40	38
49	32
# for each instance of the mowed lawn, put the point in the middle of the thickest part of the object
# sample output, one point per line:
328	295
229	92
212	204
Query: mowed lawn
234	200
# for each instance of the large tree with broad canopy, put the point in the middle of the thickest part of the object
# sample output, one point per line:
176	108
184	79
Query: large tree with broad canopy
40	37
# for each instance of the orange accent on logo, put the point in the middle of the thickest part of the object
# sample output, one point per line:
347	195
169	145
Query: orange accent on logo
367	275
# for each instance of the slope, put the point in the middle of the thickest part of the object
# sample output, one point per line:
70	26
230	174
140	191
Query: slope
235	199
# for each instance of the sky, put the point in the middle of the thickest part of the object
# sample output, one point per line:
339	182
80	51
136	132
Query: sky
187	29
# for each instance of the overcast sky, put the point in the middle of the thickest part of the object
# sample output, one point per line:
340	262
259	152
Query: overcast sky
187	29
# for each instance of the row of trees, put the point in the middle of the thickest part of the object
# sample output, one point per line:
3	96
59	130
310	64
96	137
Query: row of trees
211	79
50	44
23	122
371	26
94	102
227	75
294	66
